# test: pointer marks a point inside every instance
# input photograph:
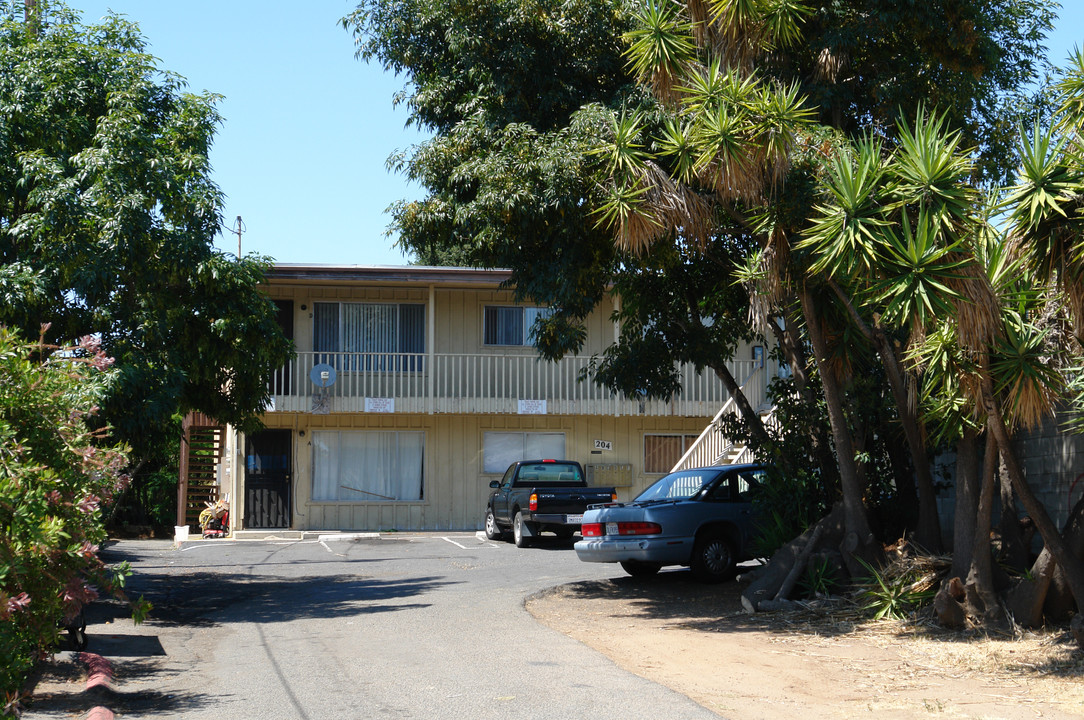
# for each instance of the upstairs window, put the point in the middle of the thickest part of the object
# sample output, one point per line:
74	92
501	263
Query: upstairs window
392	335
511	325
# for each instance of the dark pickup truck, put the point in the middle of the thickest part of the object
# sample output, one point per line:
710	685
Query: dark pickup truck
537	496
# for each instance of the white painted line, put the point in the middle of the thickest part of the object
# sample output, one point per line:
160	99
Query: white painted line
453	542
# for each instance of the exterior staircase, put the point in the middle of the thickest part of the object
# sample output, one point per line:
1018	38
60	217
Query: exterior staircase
201	451
715	448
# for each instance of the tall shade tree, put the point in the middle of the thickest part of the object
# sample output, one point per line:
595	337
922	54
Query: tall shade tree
108	214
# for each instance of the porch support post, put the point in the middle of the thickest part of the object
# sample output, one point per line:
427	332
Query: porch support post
182	484
430	343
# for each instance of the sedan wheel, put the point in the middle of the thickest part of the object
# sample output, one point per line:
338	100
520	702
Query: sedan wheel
522	539
636	568
493	530
713	557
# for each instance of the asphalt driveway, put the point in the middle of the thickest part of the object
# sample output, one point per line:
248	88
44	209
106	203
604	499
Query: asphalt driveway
398	626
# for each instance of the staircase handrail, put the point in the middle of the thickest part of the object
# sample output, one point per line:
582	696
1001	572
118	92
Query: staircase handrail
730	406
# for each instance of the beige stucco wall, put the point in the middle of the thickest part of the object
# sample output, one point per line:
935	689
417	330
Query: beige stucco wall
456	488
458	314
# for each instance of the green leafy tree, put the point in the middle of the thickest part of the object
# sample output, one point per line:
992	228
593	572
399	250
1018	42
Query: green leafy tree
710	144
107	219
56	472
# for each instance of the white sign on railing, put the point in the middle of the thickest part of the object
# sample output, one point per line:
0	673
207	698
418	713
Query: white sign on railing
532	407
379	405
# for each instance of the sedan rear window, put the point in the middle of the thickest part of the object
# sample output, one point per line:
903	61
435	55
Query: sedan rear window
678	486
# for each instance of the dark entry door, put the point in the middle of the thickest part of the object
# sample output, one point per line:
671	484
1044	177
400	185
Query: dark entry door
267	479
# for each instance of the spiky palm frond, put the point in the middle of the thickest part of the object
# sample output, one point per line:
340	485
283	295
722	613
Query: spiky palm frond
625	210
1070	96
660	45
783	21
625	151
845	231
677	146
917	266
1022	373
723	161
932	174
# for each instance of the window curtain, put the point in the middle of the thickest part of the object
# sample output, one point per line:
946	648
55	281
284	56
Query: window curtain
503	325
368	466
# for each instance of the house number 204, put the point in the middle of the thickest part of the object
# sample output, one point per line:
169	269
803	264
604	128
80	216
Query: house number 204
604	445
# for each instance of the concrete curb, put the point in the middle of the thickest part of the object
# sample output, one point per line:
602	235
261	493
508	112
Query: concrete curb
99	677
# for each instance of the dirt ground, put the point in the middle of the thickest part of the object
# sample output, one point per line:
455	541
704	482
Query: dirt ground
819	663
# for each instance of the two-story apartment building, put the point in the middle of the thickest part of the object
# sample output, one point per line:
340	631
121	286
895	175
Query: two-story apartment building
413	387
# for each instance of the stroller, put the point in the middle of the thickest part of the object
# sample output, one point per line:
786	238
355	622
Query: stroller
215	520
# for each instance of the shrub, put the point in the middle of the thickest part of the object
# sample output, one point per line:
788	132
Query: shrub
55	473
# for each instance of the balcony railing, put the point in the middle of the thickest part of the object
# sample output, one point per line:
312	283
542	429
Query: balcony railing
460	383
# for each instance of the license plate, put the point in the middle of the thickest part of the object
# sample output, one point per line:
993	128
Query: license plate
573	518
611	529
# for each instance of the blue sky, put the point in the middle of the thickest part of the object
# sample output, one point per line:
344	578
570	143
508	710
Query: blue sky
301	156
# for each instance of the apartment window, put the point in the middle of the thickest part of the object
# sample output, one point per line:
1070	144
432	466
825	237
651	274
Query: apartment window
390	335
511	325
662	452
501	449
360	466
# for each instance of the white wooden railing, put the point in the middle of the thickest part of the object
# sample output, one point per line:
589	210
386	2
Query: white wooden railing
713	447
482	383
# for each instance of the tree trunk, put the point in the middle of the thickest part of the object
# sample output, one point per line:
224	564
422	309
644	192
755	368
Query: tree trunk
1052	539
1059	599
957	600
968	487
1015	551
982	600
928	531
859	542
766	586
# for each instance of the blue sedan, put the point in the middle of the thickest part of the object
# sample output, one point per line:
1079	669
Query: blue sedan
701	518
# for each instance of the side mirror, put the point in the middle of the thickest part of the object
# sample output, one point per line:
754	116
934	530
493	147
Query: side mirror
494	484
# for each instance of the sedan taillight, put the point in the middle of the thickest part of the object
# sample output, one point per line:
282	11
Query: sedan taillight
591	530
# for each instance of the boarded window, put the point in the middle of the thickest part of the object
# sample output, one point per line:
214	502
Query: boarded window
662	452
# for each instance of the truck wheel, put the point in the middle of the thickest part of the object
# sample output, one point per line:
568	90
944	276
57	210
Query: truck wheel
493	530
637	568
713	557
522	539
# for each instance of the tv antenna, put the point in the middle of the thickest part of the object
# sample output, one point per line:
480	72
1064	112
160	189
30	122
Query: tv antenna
239	227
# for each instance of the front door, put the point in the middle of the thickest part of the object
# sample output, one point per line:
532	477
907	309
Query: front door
267	479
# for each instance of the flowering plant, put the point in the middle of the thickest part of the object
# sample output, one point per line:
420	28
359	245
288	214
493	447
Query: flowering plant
56	471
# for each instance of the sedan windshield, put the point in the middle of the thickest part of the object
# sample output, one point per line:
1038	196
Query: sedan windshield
678	486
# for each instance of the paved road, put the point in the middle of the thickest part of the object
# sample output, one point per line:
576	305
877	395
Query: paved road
420	626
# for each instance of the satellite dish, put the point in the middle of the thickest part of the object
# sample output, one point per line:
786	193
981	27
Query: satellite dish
322	375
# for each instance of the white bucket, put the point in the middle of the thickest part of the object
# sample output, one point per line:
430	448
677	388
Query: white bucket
180	533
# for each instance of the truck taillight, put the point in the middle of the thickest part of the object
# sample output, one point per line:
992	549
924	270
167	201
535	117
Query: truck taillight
534	502
591	530
638	528
613	496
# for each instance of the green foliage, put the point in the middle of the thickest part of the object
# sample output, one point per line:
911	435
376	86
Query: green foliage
896	592
107	219
55	475
820	578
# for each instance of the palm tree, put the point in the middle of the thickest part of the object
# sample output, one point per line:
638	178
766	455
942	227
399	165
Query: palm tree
718	139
